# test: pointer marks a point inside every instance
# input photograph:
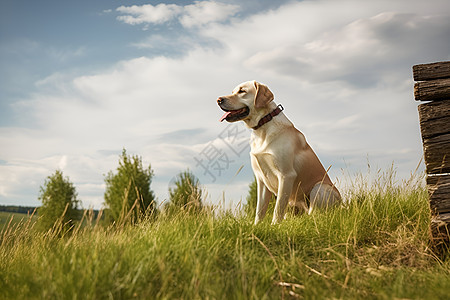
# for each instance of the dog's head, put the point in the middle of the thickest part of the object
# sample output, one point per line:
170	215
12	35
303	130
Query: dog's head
248	102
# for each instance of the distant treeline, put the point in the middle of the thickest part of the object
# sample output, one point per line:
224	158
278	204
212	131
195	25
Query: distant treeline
29	209
17	209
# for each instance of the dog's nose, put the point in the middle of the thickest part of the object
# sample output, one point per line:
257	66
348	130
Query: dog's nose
220	100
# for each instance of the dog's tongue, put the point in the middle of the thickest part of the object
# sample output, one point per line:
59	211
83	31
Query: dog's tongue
225	115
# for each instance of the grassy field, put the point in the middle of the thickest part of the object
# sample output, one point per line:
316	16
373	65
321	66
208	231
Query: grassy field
13	218
374	247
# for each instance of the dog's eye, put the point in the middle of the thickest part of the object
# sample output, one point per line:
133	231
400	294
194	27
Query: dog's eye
241	91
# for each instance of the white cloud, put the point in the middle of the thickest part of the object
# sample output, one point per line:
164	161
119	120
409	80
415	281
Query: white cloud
199	13
133	105
62	162
204	12
148	13
362	52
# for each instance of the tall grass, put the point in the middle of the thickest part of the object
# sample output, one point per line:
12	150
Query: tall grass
375	246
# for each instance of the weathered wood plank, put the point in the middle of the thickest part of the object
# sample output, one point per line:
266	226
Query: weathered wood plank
438	179
431	71
437	154
435	127
439	191
434	118
438	89
434	110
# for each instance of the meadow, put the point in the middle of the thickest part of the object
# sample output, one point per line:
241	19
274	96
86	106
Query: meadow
7	217
376	246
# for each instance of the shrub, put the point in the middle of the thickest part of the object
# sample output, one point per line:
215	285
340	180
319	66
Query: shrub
186	195
59	203
128	194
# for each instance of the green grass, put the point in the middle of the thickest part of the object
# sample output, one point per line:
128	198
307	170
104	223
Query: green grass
374	247
13	218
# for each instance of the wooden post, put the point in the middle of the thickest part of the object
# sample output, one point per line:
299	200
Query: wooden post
434	85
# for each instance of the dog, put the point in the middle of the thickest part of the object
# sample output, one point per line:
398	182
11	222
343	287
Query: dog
283	162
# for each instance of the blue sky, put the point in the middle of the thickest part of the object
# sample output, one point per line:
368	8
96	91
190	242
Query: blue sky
81	80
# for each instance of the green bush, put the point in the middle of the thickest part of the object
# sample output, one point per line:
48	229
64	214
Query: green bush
59	203
186	194
128	195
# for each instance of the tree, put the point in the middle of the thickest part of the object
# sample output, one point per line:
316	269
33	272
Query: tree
59	203
128	194
187	193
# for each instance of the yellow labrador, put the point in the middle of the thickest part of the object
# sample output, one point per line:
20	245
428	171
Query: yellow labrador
283	162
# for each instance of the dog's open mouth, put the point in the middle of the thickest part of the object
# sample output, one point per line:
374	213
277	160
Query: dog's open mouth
235	115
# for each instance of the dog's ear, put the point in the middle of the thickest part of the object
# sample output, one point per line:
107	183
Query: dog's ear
263	95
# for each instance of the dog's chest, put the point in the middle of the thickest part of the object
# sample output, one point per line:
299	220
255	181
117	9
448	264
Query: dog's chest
264	160
264	168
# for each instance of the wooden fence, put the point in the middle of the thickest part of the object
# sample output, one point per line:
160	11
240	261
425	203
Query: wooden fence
433	86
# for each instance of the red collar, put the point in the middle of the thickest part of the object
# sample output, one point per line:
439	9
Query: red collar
269	117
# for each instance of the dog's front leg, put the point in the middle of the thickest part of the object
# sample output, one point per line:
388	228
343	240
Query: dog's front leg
284	192
263	199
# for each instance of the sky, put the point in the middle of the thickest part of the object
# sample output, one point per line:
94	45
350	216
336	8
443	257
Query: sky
82	80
